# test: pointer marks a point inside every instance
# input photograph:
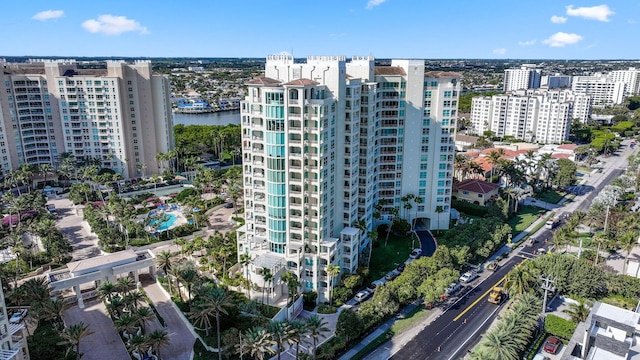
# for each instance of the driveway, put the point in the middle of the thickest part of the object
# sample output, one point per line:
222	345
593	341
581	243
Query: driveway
104	343
74	228
427	242
180	336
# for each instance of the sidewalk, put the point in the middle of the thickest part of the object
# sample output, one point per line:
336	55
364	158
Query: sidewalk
397	342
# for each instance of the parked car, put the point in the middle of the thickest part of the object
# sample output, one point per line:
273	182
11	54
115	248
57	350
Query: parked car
468	277
401	267
228	205
454	288
374	285
551	345
392	275
362	295
18	316
415	253
541	357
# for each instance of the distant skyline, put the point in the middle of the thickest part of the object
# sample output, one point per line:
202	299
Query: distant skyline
499	29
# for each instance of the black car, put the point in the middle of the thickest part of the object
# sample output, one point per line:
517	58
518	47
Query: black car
228	205
401	267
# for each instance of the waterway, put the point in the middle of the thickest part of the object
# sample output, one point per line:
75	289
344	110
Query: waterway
215	118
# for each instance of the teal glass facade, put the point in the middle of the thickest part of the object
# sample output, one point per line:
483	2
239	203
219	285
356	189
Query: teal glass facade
276	175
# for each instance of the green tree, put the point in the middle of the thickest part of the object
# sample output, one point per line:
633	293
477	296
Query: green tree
258	342
333	271
316	328
72	336
280	332
216	303
578	311
158	339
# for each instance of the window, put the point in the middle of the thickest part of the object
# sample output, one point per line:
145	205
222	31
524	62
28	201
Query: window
447	94
427	94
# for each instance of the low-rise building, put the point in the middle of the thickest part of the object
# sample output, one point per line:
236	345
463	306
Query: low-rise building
609	333
475	191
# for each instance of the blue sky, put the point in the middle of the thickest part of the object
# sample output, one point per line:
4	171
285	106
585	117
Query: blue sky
520	29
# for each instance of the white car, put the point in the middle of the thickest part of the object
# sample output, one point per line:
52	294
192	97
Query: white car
415	253
18	316
392	274
469	276
362	295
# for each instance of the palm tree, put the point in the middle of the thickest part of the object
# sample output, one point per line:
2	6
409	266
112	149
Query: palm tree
126	323
373	237
115	306
125	285
138	343
189	276
578	312
133	299
280	331
439	210
521	279
144	314
292	282
245	260
158	339
258	341
267	277
298	332
628	241
72	336
165	262
332	271
54	309
501	343
316	327
216	302
45	169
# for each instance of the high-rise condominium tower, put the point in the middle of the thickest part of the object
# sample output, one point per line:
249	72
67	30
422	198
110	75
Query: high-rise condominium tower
13	342
118	113
330	144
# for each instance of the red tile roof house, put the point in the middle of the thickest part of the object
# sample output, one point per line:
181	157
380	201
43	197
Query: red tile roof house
475	191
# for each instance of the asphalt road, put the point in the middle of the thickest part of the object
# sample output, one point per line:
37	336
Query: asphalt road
427	242
458	329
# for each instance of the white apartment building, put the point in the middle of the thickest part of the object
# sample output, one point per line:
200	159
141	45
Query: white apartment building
13	339
631	78
542	116
323	142
601	88
527	77
119	114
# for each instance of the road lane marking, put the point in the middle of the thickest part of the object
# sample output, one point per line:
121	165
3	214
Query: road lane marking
479	299
475	332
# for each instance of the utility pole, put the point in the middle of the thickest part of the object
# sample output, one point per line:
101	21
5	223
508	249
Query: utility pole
547	285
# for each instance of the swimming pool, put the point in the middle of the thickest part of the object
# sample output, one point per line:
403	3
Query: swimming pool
170	219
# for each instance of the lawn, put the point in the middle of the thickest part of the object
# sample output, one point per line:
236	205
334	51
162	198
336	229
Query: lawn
551	196
386	258
526	216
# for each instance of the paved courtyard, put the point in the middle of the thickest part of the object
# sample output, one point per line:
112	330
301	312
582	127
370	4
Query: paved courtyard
104	343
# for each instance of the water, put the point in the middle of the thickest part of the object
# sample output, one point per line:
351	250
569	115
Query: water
171	218
216	118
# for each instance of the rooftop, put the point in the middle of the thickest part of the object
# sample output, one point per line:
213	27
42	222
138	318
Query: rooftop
263	80
302	82
443	74
620	315
476	186
99	261
389	70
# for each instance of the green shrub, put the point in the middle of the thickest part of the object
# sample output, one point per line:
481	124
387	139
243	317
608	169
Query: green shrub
310	298
559	327
326	309
469	208
188	192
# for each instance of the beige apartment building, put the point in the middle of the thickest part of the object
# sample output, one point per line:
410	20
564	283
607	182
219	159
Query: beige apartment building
114	111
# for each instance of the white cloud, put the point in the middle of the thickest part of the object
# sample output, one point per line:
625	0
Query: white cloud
599	12
113	25
373	3
500	51
562	39
48	15
527	43
558	19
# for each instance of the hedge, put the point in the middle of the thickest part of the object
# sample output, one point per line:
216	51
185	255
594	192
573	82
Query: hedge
470	208
559	327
